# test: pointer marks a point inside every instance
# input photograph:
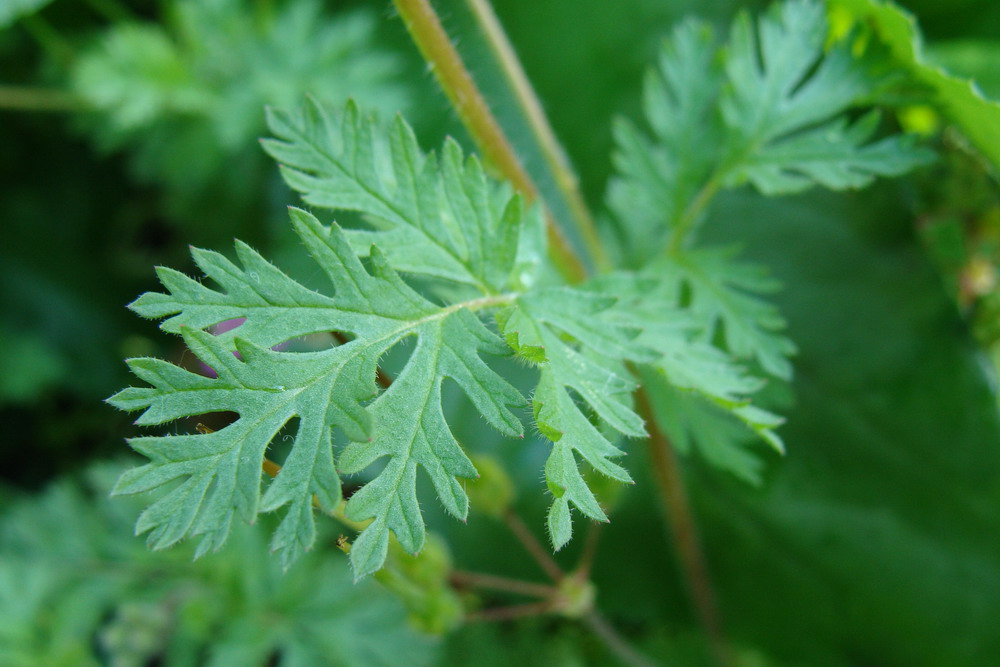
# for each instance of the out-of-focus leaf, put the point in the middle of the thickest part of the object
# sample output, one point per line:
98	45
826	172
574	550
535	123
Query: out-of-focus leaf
877	540
28	366
12	10
186	98
976	116
77	589
976	60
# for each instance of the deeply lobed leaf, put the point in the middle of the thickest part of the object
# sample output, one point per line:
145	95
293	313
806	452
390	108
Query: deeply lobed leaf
569	334
769	110
435	217
219	473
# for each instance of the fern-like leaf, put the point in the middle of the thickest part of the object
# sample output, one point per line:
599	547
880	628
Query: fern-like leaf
219	472
580	351
441	219
438	218
783	104
771	112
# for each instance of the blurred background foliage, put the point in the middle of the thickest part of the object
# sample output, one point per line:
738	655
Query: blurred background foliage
128	131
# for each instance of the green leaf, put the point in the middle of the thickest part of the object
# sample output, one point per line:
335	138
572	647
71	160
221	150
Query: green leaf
698	426
977	60
219	473
890	503
977	117
657	180
769	111
783	104
699	394
439	218
580	350
723	295
184	95
76	589
12	10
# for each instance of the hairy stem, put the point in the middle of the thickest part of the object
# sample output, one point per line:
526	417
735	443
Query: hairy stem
490	581
586	562
430	37
38	99
681	526
555	157
533	546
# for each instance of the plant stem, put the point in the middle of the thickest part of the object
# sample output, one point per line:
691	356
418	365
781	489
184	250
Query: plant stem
533	546
694	212
430	37
38	99
681	525
614	641
496	583
565	178
510	613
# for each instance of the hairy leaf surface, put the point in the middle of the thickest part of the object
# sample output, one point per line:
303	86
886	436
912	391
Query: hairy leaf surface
219	472
581	352
439	218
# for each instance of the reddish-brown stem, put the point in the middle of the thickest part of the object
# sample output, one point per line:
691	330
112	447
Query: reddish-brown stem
533	546
667	473
511	612
531	107
430	37
493	582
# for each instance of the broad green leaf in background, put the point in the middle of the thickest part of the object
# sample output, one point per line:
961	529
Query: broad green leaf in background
978	60
877	536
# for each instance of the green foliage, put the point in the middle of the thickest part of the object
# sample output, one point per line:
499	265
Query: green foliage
12	10
472	245
973	59
768	111
414	201
962	102
186	98
77	591
27	367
